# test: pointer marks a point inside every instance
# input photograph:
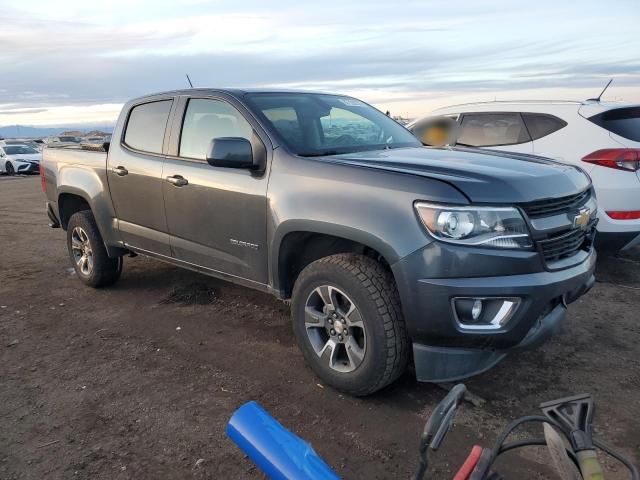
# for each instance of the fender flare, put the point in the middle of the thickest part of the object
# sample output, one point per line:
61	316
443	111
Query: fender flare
325	228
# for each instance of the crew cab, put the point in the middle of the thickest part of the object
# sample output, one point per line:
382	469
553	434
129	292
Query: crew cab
382	246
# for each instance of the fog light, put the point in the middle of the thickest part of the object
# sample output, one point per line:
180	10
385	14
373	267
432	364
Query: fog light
476	310
484	313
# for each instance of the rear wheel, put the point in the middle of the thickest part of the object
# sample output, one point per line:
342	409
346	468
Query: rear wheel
88	254
348	323
8	167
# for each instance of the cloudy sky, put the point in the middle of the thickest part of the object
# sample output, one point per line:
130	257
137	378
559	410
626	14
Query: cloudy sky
76	62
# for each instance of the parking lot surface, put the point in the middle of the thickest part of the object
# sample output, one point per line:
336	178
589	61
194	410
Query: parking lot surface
138	380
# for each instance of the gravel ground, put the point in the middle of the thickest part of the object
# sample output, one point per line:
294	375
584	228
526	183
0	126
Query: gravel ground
138	380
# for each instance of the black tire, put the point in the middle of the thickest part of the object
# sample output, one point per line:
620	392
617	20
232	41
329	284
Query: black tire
8	168
104	270
372	290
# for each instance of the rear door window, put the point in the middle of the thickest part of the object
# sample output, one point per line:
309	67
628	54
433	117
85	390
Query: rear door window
621	121
146	126
492	130
540	125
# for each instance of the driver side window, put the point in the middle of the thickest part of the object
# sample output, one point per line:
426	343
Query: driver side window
341	124
206	119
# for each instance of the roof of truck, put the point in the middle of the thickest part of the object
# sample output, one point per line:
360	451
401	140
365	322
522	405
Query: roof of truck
232	91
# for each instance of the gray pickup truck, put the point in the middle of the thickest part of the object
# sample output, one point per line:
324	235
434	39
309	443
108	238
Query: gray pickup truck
387	250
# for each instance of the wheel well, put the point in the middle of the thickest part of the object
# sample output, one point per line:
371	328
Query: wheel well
299	249
68	204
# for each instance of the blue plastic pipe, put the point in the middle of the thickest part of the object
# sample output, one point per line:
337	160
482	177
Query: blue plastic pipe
279	453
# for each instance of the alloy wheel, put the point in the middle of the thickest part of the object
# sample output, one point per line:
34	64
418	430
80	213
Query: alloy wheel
81	250
335	328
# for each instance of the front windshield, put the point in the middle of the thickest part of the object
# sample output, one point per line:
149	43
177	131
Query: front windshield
19	150
70	139
316	124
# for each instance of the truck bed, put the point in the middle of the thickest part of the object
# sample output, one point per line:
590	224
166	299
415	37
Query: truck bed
80	155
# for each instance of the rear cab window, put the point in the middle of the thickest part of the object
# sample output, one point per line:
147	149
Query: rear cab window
624	122
492	130
146	126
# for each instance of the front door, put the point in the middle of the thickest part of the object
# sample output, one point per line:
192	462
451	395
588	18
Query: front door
216	216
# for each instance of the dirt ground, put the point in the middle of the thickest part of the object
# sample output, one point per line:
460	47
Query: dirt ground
138	381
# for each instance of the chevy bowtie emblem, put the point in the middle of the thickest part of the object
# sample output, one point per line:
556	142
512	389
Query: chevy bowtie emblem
581	220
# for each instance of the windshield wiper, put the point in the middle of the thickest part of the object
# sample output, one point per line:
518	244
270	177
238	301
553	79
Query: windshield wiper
320	154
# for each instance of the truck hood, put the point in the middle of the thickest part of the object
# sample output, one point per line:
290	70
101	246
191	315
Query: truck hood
487	176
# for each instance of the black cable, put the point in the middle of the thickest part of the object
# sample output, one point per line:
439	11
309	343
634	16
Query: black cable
533	442
500	447
521	443
608	450
422	469
423	466
515	424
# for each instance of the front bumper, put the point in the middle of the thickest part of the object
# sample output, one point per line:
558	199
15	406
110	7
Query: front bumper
443	350
27	167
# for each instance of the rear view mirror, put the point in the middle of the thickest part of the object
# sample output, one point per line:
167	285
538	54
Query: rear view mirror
230	152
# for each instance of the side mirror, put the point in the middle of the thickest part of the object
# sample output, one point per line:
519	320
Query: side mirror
230	152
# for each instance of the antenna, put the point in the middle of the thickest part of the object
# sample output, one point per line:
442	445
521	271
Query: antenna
191	84
601	93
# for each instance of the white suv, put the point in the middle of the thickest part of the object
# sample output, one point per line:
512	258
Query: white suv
602	138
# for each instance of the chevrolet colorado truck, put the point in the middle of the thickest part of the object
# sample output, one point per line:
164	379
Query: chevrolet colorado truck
389	252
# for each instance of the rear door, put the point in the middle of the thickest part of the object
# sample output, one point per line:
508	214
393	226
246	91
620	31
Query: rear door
495	130
134	172
216	216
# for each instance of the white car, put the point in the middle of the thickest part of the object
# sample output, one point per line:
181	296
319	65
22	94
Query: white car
19	159
602	138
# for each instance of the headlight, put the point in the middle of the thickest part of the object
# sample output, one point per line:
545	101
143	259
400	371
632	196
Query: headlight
500	227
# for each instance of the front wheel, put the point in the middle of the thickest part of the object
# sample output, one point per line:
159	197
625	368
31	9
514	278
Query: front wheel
348	323
8	167
88	253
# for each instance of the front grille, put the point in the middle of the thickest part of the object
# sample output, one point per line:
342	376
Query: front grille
546	208
565	245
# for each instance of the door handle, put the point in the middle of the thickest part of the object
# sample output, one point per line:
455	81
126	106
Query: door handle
178	180
120	171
